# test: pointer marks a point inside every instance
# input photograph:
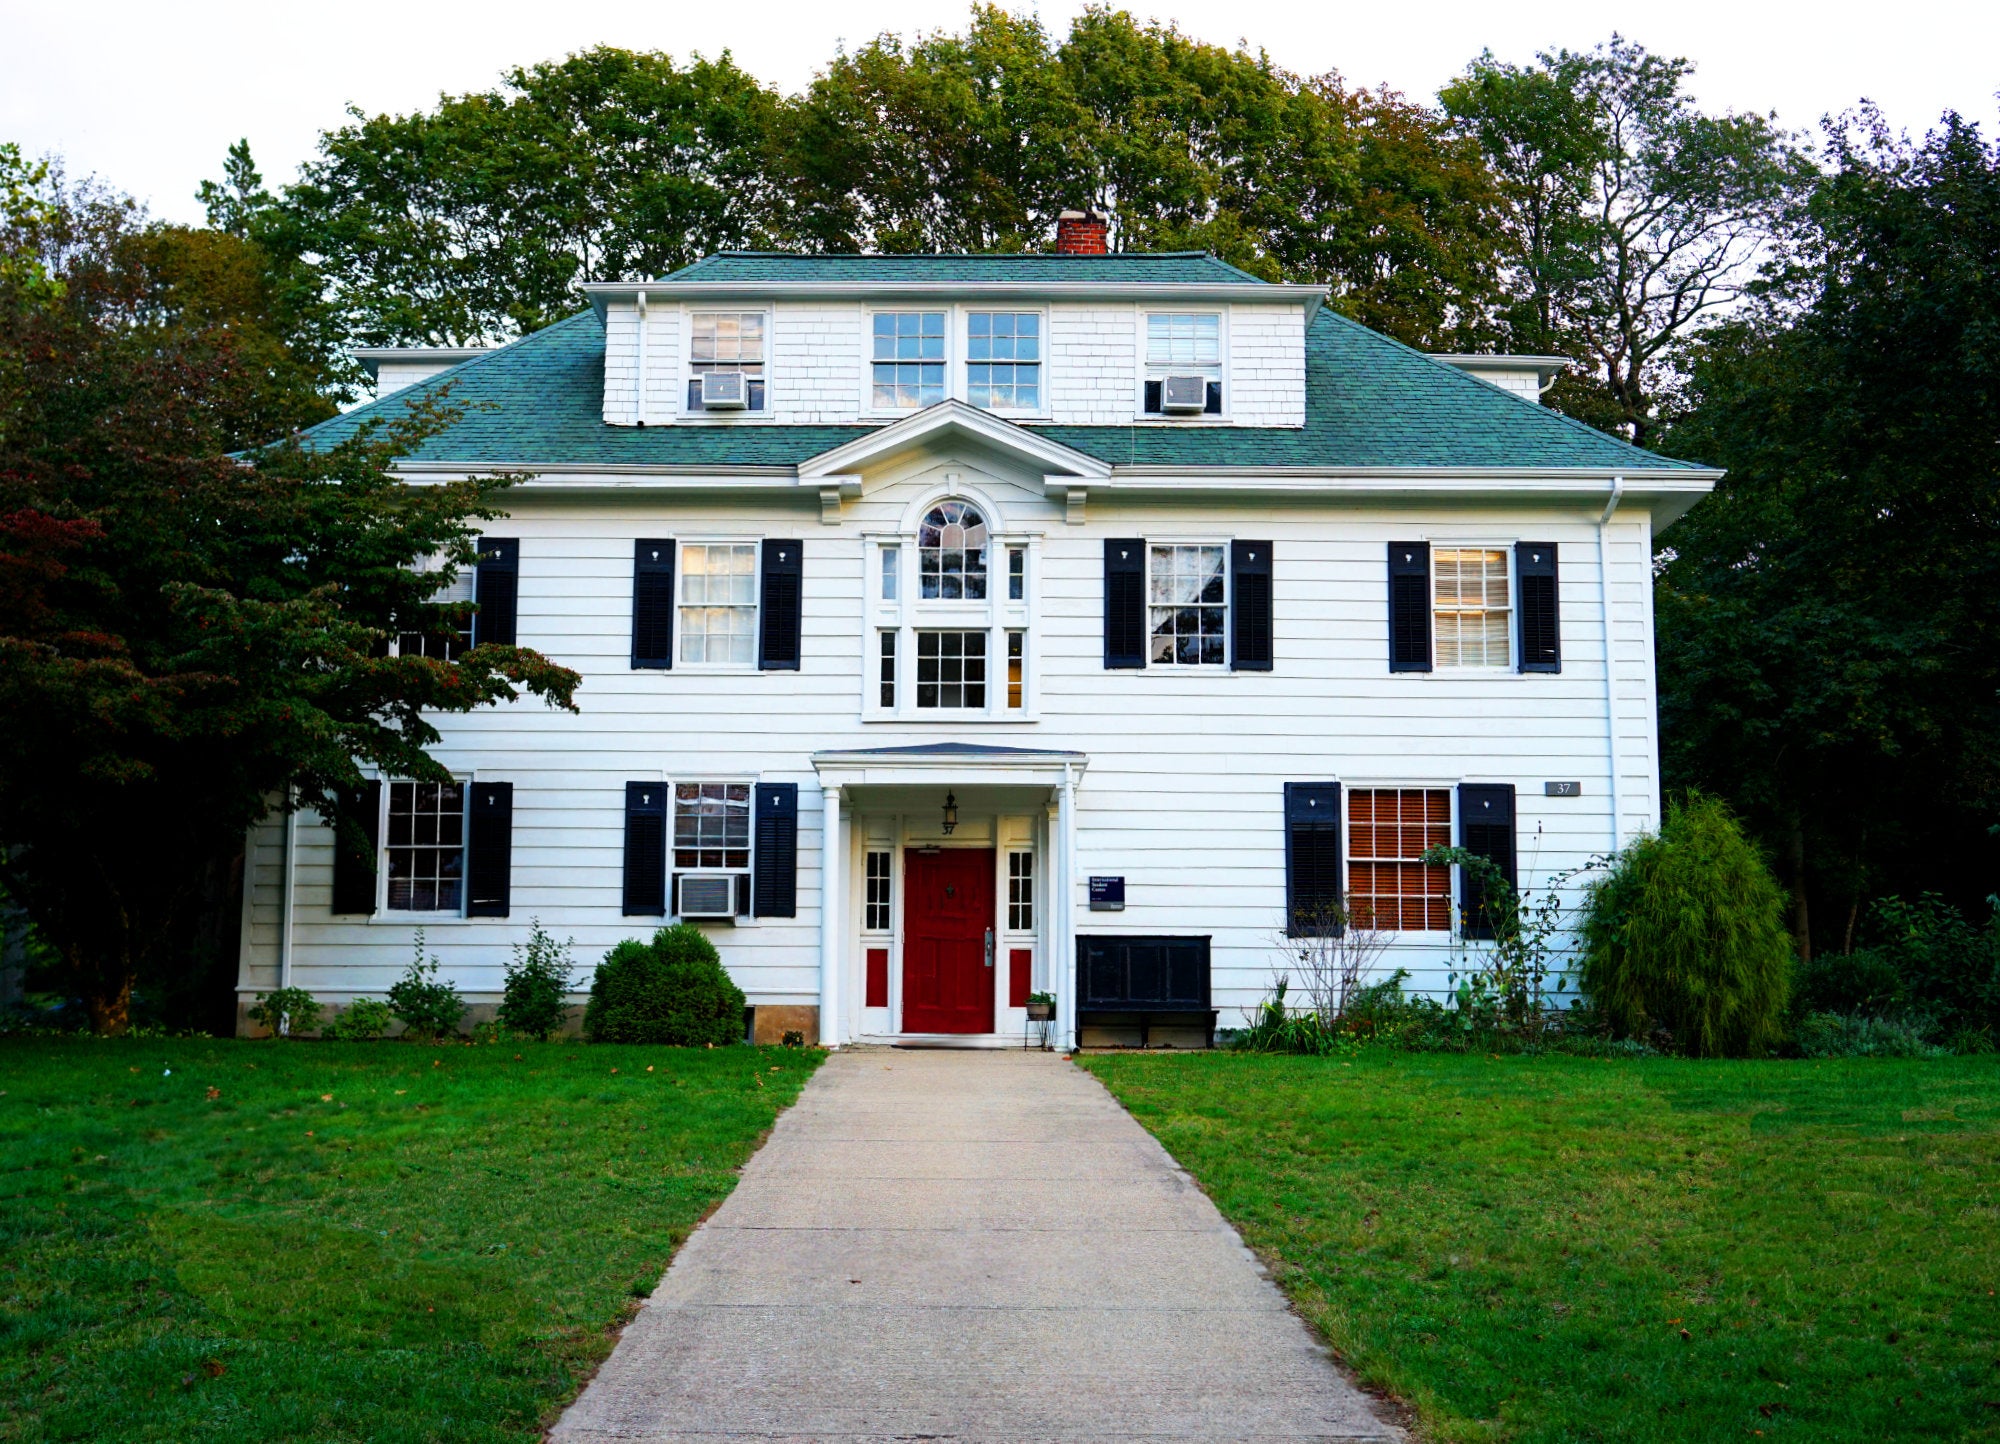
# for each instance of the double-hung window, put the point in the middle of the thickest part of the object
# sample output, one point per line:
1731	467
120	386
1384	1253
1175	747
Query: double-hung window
727	341
718	603
1003	360
950	621
908	360
1470	607
1185	348
425	855
951	670
1188	604
1388	829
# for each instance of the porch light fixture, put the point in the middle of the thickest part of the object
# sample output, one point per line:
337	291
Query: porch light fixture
950	813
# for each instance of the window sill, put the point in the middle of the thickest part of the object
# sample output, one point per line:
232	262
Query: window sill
425	920
950	718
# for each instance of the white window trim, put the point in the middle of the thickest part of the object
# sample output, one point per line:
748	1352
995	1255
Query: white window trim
1144	371
909	614
1228	604
384	915
959	383
954	374
685	368
756	544
1429	937
1462	671
727	779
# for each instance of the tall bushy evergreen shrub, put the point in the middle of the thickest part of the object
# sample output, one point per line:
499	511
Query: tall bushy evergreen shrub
1687	934
669	990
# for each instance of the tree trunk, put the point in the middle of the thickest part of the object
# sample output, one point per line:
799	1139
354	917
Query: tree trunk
1795	862
107	996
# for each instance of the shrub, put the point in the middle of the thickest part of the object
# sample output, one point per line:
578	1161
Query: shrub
669	990
1687	936
1943	964
1830	1035
361	1021
428	1007
535	1000
285	1011
1863	982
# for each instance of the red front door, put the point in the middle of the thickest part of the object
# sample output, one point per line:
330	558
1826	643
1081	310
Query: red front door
947	920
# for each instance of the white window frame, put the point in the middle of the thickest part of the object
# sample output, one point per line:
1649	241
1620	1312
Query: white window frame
674	869
1228	602
953	380
464	588
756	545
686	412
1347	859
383	913
1146	371
907	614
1510	666
960	383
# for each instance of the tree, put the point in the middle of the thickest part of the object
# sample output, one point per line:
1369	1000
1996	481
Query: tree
1829	647
481	220
186	634
1634	219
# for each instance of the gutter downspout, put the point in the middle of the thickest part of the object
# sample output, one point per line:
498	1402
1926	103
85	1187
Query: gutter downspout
639	401
1610	678
285	900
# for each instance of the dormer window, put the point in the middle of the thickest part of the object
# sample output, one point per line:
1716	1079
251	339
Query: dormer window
727	346
1183	364
1003	360
908	359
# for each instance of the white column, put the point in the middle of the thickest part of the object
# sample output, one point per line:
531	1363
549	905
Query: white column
832	915
1065	892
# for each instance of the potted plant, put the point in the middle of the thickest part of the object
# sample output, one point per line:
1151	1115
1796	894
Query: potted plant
1041	1007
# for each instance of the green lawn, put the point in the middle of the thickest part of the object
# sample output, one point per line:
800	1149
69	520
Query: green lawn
1580	1249
328	1241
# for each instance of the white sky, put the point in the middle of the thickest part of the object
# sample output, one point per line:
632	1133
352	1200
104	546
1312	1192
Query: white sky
148	96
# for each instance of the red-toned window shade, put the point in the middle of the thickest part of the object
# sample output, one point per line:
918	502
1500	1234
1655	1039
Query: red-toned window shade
1388	829
1020	963
878	978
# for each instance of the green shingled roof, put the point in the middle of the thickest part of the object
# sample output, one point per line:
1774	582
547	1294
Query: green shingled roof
1370	402
1139	267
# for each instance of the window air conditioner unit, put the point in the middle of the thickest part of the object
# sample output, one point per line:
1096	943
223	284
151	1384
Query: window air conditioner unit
1184	395
724	391
707	895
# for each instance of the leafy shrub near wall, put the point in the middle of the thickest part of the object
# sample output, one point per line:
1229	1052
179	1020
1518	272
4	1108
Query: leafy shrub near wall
1686	937
669	990
361	1021
428	1006
535	998
294	1004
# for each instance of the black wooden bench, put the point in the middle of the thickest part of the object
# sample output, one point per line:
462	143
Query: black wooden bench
1147	982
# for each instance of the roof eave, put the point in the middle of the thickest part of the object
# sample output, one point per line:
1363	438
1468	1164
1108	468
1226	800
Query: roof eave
603	293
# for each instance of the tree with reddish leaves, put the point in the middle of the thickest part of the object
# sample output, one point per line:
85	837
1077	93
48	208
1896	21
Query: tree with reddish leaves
192	632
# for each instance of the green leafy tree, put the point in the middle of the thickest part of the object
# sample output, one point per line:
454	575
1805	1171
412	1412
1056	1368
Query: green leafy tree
1634	218
1829	647
186	633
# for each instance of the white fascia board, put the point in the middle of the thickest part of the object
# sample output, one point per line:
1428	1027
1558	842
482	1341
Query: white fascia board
603	293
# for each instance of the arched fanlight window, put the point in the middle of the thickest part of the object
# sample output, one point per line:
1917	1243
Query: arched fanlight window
951	553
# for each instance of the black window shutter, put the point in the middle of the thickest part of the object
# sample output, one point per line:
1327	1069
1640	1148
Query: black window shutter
497	589
778	642
1486	829
653	603
1541	622
357	833
1250	606
645	849
1125	602
1409	606
489	840
777	858
1312	856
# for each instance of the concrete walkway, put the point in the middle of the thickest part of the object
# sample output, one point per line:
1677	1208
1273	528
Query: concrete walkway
968	1247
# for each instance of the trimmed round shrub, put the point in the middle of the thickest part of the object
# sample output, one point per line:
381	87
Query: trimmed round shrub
670	990
1687	935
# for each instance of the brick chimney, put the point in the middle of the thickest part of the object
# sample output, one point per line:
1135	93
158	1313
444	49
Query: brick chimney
1082	233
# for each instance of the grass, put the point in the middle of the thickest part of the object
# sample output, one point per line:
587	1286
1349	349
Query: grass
233	1240
1550	1248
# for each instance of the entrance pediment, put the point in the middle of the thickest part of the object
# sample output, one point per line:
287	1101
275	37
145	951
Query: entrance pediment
950	429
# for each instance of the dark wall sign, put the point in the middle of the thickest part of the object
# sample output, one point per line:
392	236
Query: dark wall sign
1562	789
1107	894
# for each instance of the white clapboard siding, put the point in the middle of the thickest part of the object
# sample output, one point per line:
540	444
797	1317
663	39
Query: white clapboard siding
1184	789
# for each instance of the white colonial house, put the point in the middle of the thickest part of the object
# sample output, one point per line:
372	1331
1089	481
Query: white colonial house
956	627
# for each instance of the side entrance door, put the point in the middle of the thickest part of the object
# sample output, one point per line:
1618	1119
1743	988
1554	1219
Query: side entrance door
947	938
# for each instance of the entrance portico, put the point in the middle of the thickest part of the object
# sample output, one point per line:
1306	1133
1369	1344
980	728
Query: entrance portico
932	928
